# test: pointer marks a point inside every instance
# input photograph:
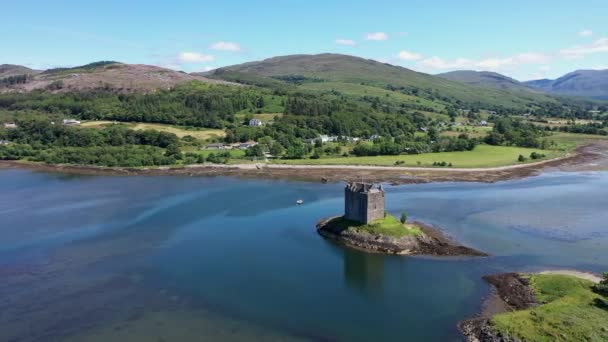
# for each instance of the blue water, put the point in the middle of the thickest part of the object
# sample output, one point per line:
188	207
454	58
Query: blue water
85	257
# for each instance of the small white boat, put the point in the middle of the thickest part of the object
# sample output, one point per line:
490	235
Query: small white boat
298	202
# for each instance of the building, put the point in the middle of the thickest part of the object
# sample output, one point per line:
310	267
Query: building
483	123
10	125
363	202
217	146
71	122
246	145
4	142
255	123
327	138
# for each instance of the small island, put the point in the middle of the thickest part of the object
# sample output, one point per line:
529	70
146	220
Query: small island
546	306
366	226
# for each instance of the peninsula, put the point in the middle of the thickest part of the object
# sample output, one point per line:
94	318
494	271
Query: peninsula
546	306
366	226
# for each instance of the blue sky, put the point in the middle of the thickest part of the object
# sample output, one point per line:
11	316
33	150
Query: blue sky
522	39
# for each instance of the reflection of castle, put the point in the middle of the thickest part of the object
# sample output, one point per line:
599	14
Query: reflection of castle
363	272
363	202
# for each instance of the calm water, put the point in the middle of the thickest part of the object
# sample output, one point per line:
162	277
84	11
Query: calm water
170	258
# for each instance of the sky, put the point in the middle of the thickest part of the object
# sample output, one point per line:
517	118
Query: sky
523	39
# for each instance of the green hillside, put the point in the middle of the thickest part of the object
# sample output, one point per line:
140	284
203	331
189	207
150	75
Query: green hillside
312	71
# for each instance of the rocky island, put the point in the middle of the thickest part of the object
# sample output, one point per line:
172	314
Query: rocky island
366	226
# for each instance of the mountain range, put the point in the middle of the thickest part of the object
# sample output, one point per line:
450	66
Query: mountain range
340	74
588	83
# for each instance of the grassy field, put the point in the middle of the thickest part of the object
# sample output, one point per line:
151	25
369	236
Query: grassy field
389	226
233	153
265	117
571	312
481	156
570	141
472	131
198	133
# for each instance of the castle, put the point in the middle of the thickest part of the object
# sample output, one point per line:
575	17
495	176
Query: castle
363	202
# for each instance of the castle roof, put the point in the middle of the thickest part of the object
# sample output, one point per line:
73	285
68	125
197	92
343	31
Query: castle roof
364	187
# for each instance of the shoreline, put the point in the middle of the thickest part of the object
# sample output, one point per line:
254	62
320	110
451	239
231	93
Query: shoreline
509	292
580	159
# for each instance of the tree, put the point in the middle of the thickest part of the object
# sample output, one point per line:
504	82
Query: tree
403	218
602	287
173	151
255	151
521	158
276	149
296	151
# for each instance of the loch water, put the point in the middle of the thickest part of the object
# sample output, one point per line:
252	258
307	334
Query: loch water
96	258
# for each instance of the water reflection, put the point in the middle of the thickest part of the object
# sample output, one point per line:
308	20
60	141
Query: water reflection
364	273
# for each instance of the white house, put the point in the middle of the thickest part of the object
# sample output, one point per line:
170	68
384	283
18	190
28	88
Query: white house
248	144
255	122
4	142
483	123
328	138
216	146
10	125
71	122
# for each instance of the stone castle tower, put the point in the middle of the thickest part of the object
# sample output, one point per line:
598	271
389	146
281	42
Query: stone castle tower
363	202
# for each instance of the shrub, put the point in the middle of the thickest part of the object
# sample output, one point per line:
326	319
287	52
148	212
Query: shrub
536	155
602	287
521	159
403	218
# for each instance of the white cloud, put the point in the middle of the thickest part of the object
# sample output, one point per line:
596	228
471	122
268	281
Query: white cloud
439	63
226	46
170	66
600	45
490	64
205	69
193	57
585	33
376	36
409	56
349	42
532	58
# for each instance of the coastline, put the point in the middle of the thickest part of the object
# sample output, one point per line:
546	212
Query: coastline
509	292
580	159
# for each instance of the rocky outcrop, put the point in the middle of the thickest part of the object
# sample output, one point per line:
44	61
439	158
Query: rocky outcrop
430	242
515	293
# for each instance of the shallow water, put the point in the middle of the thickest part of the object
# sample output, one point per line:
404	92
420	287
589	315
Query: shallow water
182	258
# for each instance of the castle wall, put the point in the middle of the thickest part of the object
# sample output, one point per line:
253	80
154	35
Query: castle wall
355	204
375	206
365	206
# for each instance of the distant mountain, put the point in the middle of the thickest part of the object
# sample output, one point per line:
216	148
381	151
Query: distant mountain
110	75
484	79
354	76
8	70
588	83
539	84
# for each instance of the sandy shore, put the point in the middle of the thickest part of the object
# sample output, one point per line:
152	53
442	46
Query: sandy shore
583	275
590	157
